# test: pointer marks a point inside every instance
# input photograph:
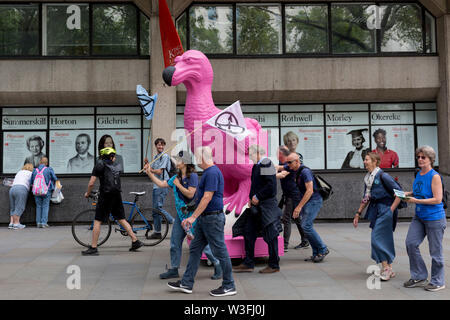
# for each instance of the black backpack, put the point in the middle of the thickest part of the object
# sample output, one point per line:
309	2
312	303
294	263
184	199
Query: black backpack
111	174
402	203
325	189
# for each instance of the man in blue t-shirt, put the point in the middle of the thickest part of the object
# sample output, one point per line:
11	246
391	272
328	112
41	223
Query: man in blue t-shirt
309	206
290	199
209	228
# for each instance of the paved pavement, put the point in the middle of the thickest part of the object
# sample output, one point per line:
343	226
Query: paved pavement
34	262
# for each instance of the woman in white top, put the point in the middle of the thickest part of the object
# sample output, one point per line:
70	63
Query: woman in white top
18	195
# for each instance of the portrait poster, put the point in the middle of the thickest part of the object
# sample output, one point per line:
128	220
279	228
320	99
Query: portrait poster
340	148
401	140
23	147
310	144
128	147
72	151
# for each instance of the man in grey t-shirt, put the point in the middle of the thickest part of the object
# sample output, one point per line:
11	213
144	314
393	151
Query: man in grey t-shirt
160	168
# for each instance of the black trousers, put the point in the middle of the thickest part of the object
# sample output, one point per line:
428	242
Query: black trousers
252	230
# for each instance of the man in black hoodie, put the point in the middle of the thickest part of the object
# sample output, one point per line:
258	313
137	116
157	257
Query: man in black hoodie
264	214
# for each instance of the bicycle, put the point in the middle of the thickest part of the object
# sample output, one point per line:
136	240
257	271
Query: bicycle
141	222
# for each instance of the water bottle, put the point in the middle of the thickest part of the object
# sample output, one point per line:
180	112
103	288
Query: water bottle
188	230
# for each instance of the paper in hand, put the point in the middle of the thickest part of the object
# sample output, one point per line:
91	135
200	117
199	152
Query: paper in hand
400	194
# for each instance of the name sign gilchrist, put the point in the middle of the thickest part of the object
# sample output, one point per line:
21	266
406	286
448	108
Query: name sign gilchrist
24	122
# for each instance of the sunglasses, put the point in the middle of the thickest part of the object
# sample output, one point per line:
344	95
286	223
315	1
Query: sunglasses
421	157
289	162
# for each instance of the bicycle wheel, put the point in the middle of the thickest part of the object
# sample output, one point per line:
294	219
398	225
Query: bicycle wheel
144	228
83	225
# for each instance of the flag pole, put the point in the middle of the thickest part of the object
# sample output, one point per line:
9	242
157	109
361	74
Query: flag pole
173	147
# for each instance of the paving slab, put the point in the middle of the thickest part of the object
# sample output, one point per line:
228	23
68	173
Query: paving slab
34	265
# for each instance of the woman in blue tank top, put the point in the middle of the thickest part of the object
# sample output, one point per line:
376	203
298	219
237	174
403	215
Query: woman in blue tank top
429	221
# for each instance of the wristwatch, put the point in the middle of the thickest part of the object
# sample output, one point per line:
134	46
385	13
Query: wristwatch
358	213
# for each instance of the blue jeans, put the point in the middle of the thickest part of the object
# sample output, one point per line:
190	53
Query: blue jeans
176	245
209	229
42	206
18	195
308	215
158	197
434	230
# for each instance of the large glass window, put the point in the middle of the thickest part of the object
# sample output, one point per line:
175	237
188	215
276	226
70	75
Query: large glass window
337	136
401	28
69	137
65	30
430	29
307	29
351	32
258	29
211	29
145	34
114	30
181	29
19	30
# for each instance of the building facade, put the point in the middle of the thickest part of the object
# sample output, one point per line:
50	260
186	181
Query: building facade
317	75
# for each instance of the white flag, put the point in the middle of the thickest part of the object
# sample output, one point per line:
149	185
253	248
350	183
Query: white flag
231	121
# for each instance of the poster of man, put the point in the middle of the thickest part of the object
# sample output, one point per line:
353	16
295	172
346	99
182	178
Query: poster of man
389	158
72	151
83	160
355	158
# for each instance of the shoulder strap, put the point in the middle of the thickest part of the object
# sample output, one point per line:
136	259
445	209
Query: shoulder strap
391	192
299	172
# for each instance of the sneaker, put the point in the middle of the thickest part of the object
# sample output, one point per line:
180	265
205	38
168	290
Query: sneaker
433	288
44	225
411	283
136	245
18	226
321	256
39	225
303	245
222	292
90	252
310	258
10	226
269	270
169	274
155	235
286	249
217	272
179	287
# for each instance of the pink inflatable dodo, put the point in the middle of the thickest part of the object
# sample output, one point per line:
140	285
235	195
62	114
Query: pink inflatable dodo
194	70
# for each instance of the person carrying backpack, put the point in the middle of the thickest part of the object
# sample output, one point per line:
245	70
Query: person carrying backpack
160	168
43	181
109	200
381	212
309	206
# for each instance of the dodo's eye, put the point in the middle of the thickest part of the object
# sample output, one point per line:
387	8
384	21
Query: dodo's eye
187	60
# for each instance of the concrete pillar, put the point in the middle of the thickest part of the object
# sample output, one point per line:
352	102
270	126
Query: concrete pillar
164	119
443	101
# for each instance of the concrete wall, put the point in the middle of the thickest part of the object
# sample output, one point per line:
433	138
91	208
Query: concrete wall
324	79
348	189
72	82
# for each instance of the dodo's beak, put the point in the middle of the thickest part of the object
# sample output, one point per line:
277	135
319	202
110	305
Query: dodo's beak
168	74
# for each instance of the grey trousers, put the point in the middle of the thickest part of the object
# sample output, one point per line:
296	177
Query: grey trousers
287	218
434	231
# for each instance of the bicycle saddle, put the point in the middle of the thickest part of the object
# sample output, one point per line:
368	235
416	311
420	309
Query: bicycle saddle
138	193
